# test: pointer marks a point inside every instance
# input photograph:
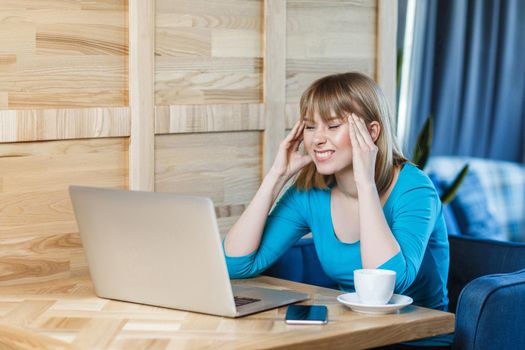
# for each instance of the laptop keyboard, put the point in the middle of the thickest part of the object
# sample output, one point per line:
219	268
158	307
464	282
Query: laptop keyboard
240	301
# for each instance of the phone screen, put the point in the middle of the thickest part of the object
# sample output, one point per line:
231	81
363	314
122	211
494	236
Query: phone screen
307	314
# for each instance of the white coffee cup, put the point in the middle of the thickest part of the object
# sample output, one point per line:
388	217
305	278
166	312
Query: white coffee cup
374	286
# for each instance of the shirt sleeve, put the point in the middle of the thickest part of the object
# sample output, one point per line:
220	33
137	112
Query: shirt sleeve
414	218
285	225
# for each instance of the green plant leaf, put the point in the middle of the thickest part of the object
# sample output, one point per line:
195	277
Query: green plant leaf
424	142
450	192
398	67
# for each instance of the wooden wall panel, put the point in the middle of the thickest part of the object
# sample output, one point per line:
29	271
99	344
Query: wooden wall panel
386	66
64	74
222	166
63	54
61	124
38	233
325	37
209	118
142	94
274	79
208	51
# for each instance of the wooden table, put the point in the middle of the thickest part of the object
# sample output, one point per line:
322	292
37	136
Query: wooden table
67	315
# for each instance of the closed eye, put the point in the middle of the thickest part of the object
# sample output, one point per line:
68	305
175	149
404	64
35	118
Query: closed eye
334	126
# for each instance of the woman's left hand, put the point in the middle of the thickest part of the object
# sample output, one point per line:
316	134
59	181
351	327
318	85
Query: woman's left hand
364	151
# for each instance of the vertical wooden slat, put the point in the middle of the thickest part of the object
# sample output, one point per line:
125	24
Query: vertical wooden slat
274	78
386	49
142	94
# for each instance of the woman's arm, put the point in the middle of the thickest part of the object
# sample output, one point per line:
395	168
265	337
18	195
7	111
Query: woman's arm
415	213
285	225
245	235
378	244
401	247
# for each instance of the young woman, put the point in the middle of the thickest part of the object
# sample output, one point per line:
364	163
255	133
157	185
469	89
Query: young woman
365	205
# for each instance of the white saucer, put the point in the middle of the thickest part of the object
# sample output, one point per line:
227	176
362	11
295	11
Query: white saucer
397	302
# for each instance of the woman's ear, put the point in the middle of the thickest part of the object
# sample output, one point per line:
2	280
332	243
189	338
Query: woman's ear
374	129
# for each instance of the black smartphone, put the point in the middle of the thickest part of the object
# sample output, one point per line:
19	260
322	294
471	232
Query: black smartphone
306	314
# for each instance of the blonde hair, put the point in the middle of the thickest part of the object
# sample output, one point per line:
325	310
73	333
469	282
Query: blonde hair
343	94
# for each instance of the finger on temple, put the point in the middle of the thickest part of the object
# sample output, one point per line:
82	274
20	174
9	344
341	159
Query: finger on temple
298	143
364	131
292	134
358	131
352	132
299	129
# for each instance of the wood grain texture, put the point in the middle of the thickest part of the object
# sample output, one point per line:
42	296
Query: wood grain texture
21	339
222	166
73	315
61	124
326	37
274	78
142	95
4	100
63	54
208	52
80	39
387	50
208	118
38	240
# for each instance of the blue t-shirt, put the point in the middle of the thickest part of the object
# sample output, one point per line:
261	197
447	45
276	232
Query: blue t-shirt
413	212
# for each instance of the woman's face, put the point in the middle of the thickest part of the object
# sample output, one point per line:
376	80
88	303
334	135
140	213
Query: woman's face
328	143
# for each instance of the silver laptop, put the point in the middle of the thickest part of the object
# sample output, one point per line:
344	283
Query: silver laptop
163	249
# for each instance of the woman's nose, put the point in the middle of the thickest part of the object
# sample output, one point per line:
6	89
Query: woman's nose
319	136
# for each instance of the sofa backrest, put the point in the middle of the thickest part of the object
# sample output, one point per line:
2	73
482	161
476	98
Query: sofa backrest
301	264
471	258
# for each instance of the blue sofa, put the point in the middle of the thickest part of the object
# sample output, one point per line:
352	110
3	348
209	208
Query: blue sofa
487	270
490	313
471	258
489	277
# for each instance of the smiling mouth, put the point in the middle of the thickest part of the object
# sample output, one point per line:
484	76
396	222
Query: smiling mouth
322	156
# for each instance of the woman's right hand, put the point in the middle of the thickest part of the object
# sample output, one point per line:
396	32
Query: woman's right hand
289	160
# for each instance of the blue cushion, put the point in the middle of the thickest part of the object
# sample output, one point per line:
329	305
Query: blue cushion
490	313
472	213
503	184
468	214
